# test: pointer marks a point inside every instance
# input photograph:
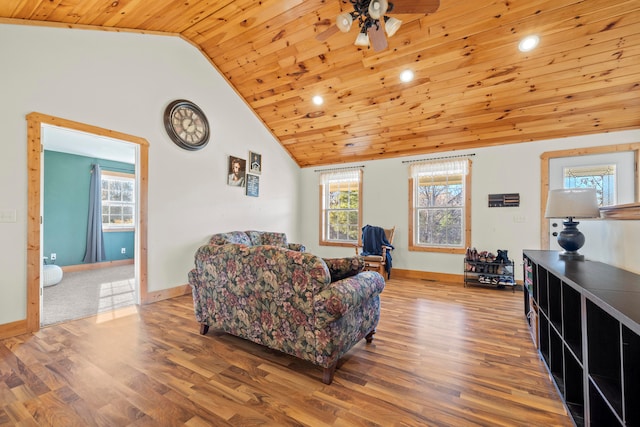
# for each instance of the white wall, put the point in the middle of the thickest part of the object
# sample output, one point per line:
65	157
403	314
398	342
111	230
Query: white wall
123	82
506	169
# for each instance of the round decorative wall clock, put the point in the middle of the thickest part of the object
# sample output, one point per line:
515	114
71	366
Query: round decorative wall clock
186	125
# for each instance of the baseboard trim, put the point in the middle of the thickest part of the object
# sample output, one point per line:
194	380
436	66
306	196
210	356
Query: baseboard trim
96	265
435	277
12	329
163	294
397	273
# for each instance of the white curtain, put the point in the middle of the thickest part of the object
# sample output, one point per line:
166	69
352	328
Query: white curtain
439	168
340	176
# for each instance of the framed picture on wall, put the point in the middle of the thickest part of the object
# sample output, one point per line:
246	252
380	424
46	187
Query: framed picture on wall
255	163
237	170
253	185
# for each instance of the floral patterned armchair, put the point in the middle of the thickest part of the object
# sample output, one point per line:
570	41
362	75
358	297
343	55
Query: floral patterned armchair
295	302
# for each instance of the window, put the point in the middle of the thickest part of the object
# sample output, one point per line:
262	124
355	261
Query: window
602	178
440	206
341	210
118	201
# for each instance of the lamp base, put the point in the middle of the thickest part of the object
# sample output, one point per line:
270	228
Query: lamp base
571	239
571	256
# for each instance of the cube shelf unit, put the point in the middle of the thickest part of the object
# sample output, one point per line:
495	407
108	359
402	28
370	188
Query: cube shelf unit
585	321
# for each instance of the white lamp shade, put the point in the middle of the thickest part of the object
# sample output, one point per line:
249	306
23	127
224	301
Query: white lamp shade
377	8
362	40
572	203
344	21
392	25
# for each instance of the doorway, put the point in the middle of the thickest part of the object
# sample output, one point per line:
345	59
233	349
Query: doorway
85	287
35	144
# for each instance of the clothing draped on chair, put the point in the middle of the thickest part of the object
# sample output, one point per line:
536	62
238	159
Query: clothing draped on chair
373	239
95	244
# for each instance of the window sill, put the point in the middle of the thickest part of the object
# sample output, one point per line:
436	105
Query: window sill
436	249
118	230
629	211
342	244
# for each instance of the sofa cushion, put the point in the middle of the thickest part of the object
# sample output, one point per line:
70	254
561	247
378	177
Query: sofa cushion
341	268
255	237
238	237
267	238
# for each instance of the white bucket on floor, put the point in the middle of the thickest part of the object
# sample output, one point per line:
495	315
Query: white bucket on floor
51	275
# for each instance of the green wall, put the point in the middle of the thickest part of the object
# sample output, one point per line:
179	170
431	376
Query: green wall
66	208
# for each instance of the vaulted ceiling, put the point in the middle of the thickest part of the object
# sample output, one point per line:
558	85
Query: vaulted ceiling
472	85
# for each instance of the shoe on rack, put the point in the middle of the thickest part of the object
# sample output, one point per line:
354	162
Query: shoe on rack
502	257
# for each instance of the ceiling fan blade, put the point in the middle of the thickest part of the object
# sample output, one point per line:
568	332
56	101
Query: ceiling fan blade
377	38
323	36
415	6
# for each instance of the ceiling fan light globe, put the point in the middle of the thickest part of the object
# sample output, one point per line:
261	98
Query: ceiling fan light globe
344	21
377	8
392	25
362	40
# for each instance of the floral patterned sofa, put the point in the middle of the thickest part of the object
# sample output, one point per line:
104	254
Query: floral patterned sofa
313	308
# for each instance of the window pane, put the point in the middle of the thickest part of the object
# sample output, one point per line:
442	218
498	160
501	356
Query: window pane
341	206
334	199
115	190
440	227
115	210
127	195
602	178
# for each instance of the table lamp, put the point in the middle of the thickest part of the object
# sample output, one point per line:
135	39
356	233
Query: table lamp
572	203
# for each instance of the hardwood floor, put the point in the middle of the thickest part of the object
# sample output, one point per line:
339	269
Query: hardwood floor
444	355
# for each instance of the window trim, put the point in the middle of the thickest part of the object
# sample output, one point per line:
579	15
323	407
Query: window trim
413	246
322	241
620	212
106	228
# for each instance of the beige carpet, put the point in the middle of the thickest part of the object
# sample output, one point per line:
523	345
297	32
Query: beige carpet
87	293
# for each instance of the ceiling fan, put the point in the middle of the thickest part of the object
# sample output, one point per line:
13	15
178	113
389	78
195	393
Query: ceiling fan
371	16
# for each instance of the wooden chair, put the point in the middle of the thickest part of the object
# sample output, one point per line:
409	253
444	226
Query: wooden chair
377	262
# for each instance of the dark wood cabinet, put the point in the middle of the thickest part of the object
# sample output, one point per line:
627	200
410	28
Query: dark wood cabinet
585	322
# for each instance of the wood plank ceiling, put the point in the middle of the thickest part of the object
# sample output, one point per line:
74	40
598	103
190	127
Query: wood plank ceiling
472	85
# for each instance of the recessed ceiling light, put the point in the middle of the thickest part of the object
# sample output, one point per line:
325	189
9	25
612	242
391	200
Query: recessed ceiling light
318	100
528	43
406	76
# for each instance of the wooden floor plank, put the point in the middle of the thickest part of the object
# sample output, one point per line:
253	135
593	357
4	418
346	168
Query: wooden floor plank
443	355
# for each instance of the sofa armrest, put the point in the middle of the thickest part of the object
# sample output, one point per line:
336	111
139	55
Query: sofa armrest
344	295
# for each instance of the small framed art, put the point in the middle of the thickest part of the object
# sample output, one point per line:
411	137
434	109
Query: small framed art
255	163
237	170
253	185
